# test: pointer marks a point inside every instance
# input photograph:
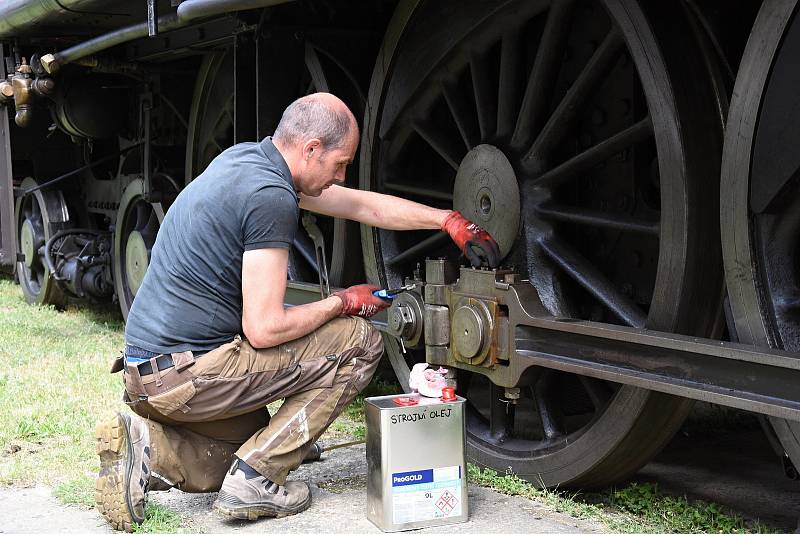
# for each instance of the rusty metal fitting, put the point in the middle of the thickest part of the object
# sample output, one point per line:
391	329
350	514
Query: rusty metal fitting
512	395
6	92
43	86
21	84
50	63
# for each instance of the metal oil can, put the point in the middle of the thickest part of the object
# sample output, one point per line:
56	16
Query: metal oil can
416	461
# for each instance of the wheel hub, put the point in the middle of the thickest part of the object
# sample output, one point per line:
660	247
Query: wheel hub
136	260
486	193
28	240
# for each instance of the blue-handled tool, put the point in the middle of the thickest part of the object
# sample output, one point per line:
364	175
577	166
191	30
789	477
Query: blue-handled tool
389	294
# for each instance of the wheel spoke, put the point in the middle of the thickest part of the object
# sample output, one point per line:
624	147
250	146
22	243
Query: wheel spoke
314	68
151	229
598	219
426	245
576	166
441	144
305	249
508	89
548	413
543	76
419	190
141	217
597	390
485	95
462	113
595	71
590	278
501	415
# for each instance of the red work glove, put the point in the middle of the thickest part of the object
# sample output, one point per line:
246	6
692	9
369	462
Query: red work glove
475	242
359	300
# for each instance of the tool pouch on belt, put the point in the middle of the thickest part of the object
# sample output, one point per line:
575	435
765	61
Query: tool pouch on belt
165	390
118	364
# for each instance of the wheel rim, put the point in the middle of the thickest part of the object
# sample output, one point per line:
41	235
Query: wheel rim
135	233
210	132
760	214
562	147
38	216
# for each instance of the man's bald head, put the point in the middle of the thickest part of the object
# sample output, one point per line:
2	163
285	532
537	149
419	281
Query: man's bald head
319	115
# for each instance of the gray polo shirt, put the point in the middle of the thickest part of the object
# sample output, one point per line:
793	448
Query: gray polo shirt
191	296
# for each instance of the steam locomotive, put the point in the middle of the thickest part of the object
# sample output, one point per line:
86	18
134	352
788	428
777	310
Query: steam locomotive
636	161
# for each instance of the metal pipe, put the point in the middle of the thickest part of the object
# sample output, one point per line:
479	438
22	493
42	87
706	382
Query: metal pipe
53	62
58	235
18	16
188	11
191	10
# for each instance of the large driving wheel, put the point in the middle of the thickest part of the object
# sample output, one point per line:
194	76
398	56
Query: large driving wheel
135	232
211	131
584	136
38	215
760	203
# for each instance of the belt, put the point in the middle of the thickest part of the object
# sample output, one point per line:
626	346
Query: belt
163	361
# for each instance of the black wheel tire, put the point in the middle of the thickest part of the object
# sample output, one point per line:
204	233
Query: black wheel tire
758	234
46	211
136	227
684	107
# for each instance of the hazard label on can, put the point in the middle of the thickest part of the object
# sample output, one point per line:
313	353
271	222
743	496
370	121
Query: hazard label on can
426	494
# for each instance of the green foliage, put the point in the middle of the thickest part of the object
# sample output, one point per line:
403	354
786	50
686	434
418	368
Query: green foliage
55	385
78	491
634	509
158	519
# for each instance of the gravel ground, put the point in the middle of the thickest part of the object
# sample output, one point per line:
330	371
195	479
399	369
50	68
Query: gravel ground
339	493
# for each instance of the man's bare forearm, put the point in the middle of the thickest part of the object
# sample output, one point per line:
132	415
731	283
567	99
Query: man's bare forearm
395	213
376	209
297	321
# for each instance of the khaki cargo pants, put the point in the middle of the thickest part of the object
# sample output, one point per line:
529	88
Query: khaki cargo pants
206	409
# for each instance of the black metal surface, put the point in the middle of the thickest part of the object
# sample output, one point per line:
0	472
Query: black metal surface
203	35
245	88
44	213
730	374
22	192
8	245
761	247
776	160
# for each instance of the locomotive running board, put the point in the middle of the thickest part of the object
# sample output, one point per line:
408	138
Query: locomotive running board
741	376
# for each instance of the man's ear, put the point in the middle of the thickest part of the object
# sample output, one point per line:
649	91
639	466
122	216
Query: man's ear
311	147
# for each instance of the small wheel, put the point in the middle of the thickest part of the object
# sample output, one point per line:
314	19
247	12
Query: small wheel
38	216
137	224
760	195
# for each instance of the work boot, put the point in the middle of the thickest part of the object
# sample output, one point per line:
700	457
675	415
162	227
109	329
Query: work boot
313	453
123	444
246	494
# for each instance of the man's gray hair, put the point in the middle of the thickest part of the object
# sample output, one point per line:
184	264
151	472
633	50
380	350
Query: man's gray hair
311	117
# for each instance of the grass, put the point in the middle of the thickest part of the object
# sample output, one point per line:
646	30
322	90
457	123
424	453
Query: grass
55	385
634	509
158	519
